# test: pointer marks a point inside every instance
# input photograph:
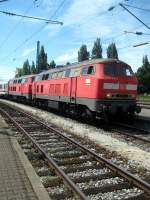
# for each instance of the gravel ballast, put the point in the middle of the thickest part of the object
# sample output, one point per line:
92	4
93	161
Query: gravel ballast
97	135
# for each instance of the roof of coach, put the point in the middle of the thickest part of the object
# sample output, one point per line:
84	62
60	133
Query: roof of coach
21	77
87	62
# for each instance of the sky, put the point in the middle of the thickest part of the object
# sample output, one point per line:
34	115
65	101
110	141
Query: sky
83	21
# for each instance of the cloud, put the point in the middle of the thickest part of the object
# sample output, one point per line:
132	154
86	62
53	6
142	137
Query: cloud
67	57
6	73
28	51
88	18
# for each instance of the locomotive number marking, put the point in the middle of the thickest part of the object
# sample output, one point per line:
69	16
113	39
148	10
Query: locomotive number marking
88	81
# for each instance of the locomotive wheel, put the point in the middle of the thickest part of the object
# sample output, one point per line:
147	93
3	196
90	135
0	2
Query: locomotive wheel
87	115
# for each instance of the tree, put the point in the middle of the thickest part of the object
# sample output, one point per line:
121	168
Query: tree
26	68
97	49
42	60
33	68
143	75
83	54
68	63
52	64
112	51
19	72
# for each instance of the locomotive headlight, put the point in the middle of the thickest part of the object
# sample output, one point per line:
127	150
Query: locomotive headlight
133	96
108	95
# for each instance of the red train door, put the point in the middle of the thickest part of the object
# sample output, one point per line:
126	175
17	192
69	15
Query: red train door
73	89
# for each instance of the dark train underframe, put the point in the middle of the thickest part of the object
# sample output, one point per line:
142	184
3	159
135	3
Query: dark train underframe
88	109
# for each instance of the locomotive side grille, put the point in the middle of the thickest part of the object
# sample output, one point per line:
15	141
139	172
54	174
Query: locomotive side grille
111	86
131	87
116	86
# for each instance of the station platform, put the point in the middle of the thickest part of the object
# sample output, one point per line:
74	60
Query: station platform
18	180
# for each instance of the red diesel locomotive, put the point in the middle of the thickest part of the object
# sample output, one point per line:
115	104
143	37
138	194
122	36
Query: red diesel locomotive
95	88
21	88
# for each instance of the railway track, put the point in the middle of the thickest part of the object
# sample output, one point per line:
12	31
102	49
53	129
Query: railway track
132	131
144	104
86	174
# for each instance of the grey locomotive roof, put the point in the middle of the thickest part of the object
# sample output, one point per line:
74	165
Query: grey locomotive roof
87	62
21	77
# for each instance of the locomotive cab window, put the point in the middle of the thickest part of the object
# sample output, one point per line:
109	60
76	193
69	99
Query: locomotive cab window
110	70
88	70
114	70
126	71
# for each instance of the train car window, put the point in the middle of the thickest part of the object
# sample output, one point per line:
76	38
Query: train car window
46	76
50	77
0	86
88	70
67	73
54	75
11	82
23	80
38	78
19	81
60	75
33	79
43	77
110	70
75	72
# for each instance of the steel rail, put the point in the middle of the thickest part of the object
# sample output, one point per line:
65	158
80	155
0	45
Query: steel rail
117	170
133	128
51	162
144	104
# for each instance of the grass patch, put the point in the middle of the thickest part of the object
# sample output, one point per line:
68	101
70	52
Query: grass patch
141	97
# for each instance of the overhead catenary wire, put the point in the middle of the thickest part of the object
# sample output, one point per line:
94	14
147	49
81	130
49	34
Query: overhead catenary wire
134	45
10	33
1	1
34	33
39	30
31	17
137	33
122	5
143	9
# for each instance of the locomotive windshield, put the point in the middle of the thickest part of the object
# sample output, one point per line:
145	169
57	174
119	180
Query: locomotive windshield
114	70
